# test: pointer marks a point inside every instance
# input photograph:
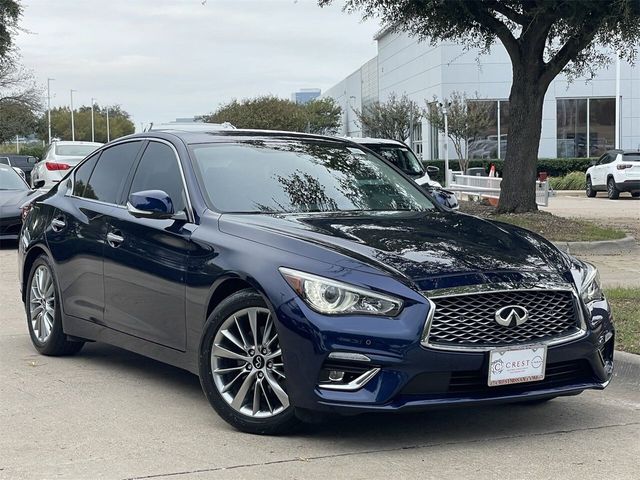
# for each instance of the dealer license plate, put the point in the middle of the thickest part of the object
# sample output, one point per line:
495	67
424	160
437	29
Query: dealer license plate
517	365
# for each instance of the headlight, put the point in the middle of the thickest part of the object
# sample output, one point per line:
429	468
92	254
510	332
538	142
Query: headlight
590	289
336	298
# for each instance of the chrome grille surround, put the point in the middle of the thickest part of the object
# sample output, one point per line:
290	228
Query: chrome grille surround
470	324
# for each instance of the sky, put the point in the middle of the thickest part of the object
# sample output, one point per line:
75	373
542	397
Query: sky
165	59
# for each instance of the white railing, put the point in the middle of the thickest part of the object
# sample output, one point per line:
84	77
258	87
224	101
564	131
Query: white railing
490	187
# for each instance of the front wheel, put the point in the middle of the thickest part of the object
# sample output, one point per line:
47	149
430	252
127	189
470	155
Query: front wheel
44	317
612	191
589	190
242	371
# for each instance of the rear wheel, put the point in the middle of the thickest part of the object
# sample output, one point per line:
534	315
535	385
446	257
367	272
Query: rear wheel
612	191
589	190
44	317
241	366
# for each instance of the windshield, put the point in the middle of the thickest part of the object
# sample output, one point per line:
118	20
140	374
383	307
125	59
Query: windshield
75	150
301	176
401	157
10	180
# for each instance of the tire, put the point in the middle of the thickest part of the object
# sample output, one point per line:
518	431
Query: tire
589	190
635	194
612	192
245	385
44	317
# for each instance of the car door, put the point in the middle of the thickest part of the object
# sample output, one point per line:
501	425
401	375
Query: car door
599	174
146	259
78	228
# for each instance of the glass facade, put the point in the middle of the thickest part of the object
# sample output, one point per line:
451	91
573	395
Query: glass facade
585	126
490	141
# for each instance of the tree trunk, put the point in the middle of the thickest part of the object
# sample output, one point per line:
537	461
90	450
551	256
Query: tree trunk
518	188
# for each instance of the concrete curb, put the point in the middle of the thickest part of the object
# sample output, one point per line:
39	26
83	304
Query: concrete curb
627	367
603	247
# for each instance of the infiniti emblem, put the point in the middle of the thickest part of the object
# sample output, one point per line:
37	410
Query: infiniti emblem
512	316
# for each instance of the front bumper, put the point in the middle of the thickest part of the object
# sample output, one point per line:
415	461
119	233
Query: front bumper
414	377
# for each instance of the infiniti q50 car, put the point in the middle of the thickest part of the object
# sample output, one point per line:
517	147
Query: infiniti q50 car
301	276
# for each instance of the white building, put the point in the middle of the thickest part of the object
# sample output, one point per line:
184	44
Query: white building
578	117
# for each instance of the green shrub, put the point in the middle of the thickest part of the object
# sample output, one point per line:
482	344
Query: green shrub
571	181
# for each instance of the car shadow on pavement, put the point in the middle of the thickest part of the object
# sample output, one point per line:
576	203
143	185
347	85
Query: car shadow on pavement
375	431
8	244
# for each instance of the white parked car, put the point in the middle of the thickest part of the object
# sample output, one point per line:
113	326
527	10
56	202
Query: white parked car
616	171
59	158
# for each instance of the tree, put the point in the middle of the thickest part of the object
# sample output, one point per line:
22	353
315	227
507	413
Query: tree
267	112
120	123
19	100
273	113
466	119
392	119
542	38
323	116
10	13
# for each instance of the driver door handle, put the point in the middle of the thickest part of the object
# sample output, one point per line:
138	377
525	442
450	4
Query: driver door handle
115	238
58	224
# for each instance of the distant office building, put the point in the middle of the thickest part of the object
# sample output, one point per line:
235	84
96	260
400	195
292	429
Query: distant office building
305	95
579	117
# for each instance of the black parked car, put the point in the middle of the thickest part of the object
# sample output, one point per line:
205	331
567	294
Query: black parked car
14	192
300	275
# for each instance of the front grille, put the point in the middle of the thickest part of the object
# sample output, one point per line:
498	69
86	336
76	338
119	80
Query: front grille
469	320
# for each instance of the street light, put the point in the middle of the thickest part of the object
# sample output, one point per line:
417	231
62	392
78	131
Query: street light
444	107
49	80
108	134
73	130
93	131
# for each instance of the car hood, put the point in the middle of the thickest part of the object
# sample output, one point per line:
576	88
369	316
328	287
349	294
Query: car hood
12	200
427	248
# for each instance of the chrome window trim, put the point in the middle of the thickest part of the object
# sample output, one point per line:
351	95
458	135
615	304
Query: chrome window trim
190	214
580	333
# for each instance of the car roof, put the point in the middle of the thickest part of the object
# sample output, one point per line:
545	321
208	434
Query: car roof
226	135
624	151
375	141
69	142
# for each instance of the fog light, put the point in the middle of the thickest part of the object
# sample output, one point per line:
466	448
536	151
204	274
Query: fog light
336	375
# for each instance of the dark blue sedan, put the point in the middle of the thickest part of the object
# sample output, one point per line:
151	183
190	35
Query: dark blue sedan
301	275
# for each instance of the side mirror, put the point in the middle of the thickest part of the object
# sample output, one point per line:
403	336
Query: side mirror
150	204
38	183
431	170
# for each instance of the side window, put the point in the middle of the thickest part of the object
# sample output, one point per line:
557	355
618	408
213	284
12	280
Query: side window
4	160
81	178
111	171
606	158
158	170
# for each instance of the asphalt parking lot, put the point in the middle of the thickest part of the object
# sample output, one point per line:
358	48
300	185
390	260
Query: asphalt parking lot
110	414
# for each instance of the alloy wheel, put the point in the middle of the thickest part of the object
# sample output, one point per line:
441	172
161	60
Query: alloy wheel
247	365
42	303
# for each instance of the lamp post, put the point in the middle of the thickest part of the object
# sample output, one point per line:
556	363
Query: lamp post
444	106
108	133
73	130
93	130
617	122
49	80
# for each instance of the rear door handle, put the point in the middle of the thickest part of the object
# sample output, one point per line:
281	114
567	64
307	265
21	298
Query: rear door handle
115	239
58	224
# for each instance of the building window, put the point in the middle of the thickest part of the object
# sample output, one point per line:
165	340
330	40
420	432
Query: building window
490	141
585	126
416	139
